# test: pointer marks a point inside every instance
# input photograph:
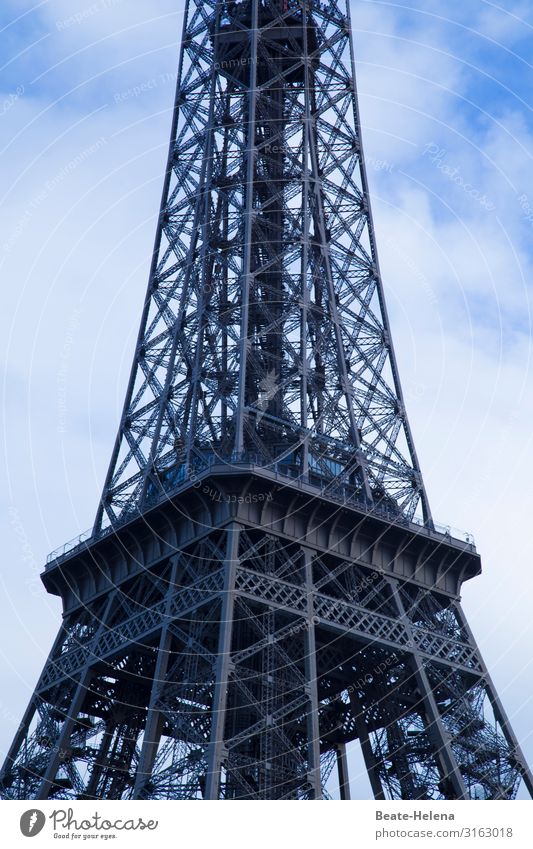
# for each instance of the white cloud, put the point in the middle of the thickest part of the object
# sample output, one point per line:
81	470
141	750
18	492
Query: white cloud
505	24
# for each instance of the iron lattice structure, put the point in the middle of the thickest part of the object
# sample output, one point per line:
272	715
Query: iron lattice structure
264	583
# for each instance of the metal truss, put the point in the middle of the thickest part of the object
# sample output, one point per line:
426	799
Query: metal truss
216	646
232	670
264	328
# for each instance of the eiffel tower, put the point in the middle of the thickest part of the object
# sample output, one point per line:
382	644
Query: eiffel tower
264	582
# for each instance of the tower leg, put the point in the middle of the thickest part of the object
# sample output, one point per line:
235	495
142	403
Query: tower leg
62	744
223	666
366	747
152	729
19	737
451	774
60	749
499	712
342	767
27	718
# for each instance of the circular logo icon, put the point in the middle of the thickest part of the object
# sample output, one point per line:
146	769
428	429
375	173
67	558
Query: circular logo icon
32	822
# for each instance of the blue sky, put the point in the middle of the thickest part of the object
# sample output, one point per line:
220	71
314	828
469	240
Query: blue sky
85	96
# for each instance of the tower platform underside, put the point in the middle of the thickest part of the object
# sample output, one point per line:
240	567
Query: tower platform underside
231	642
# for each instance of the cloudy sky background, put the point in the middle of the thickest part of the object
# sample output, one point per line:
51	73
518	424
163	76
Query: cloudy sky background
445	90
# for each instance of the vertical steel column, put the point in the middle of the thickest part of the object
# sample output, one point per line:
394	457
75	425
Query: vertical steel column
216	749
321	229
342	767
313	730
206	224
371	762
306	194
60	748
152	728
99	762
248	227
